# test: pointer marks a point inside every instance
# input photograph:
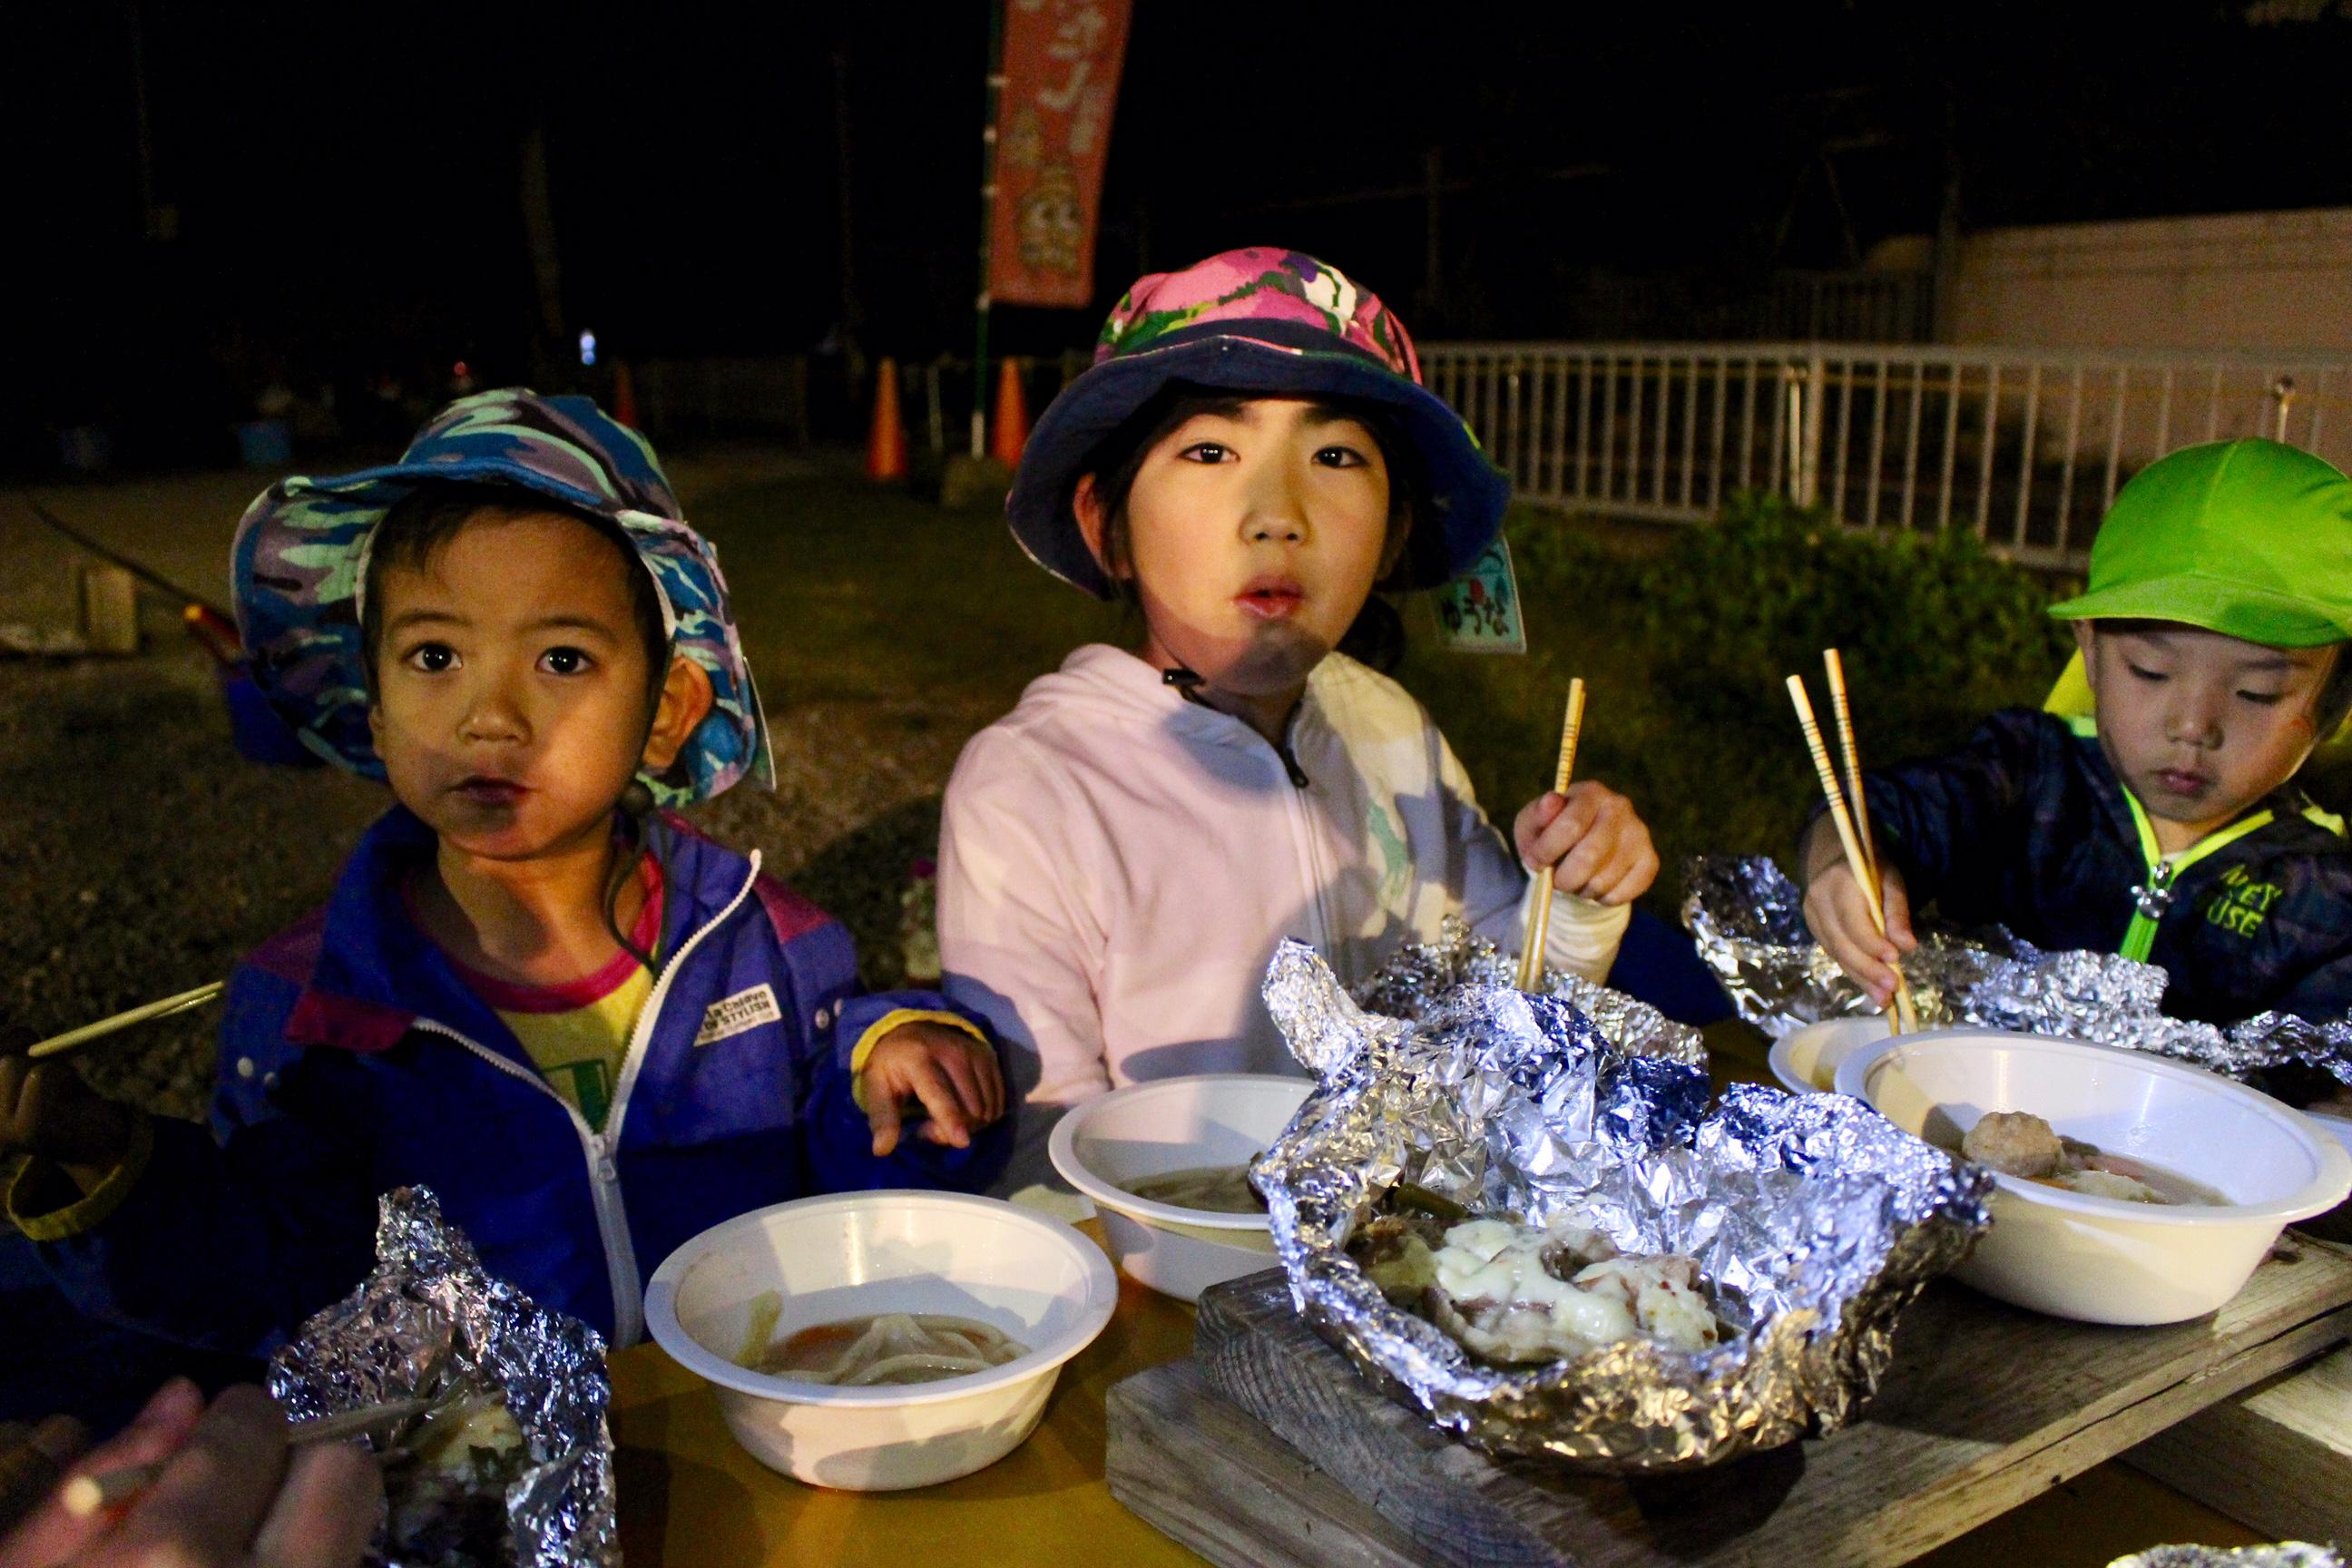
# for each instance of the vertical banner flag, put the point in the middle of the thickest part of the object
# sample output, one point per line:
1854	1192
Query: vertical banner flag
1062	60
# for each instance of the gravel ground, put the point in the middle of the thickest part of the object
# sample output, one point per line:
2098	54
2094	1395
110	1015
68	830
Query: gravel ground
142	855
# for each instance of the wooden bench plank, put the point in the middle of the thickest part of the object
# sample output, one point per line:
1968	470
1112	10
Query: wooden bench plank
1212	1476
2278	1459
1984	1406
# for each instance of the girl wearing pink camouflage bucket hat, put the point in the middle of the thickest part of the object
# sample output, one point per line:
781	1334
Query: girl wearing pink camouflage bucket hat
1250	455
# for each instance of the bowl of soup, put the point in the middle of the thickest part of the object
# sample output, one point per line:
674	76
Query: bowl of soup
871	1342
1806	1060
1166	1164
2131	1189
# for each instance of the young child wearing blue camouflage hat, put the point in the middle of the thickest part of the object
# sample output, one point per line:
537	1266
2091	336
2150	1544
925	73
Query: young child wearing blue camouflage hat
534	989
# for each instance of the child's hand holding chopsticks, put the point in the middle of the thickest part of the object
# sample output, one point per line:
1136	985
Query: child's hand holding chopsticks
1597	845
1865	918
1838	909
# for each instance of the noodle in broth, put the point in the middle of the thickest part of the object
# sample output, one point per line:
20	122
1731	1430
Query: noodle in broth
886	1349
1214	1189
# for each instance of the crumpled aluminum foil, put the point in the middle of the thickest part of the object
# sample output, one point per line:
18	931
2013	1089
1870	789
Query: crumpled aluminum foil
1747	920
2285	1554
1419	974
1817	1220
430	1322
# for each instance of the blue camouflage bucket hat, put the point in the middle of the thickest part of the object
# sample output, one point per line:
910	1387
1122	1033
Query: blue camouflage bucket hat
299	565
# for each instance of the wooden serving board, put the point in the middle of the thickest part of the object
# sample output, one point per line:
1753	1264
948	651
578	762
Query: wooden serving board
1268	1448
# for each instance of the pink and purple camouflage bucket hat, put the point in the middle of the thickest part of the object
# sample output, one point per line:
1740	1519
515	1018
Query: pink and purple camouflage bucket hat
300	565
1276	323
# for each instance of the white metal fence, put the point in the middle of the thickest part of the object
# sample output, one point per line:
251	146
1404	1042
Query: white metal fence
2024	448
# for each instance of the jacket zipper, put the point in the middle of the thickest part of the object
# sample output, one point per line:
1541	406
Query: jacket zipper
1184	683
2152	897
600	1149
1302	822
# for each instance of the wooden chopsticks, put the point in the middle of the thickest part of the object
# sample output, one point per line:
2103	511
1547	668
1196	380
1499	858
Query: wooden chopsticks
72	1039
86	1495
1853	829
1536	925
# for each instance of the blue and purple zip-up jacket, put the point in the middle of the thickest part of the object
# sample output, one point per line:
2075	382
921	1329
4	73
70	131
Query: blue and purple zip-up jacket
354	1059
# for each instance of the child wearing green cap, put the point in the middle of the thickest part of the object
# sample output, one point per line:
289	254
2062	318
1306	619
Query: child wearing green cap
2166	827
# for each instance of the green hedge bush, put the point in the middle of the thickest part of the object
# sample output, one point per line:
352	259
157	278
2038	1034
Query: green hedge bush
1685	639
1934	631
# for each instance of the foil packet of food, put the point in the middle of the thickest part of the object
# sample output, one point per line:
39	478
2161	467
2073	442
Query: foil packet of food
2285	1554
1747	920
512	1463
1418	975
1813	1220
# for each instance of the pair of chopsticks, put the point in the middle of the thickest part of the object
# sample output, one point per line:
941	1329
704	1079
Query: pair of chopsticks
1852	825
86	1495
1536	925
59	1045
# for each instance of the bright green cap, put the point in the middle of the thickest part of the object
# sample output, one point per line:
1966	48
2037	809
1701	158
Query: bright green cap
2250	539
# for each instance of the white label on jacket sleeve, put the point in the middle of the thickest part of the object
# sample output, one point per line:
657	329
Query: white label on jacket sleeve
734	1015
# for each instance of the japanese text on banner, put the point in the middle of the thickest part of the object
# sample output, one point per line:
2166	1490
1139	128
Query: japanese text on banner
1062	60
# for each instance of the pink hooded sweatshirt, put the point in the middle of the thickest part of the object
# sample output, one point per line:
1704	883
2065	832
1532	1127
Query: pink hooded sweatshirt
1117	866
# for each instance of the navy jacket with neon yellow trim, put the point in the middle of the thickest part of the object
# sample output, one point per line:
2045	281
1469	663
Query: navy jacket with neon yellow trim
342	1076
2028	825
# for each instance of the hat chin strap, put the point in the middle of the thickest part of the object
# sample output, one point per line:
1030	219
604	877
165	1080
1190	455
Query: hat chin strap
1187	682
637	806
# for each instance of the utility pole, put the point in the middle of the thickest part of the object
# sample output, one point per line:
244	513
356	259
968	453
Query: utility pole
155	222
546	265
1946	262
987	227
1433	272
853	320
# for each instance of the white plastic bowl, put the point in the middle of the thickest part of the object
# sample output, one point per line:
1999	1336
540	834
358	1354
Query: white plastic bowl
1174	1125
2337	1224
2102	1260
2337	1127
863	1253
1806	1060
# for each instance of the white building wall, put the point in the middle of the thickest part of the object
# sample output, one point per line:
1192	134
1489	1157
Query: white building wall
2272	281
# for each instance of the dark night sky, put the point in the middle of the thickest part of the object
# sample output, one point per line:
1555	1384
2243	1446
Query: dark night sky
345	178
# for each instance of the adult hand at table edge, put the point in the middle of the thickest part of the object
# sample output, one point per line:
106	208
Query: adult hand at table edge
227	1494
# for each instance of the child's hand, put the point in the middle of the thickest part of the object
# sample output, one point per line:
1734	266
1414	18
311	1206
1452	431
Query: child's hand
945	1071
1598	849
46	1109
1839	913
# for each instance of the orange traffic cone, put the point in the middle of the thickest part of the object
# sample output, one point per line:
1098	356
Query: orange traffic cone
215	632
1011	416
624	395
886	445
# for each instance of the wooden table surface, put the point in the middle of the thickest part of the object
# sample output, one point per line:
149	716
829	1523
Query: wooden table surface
689	1498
